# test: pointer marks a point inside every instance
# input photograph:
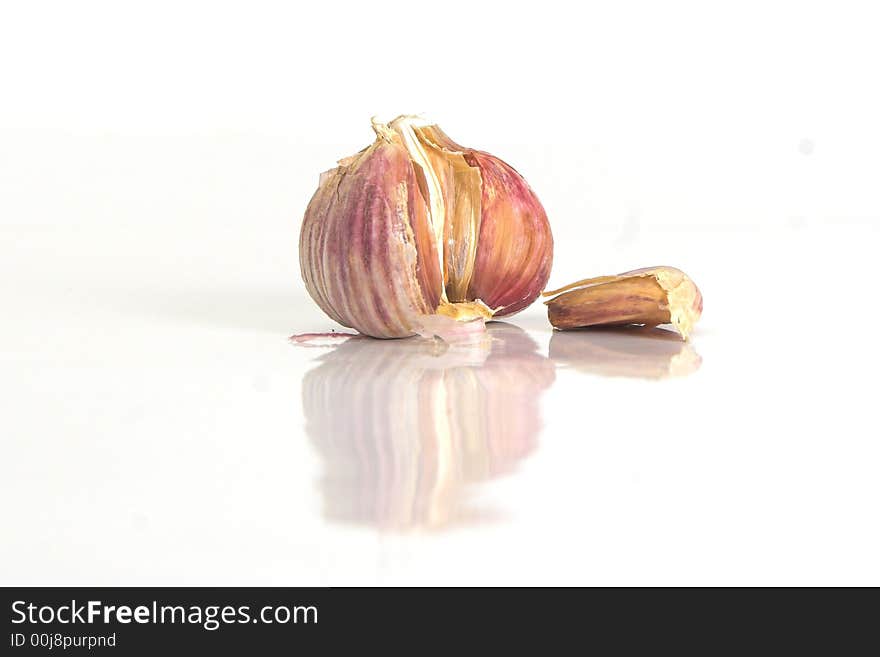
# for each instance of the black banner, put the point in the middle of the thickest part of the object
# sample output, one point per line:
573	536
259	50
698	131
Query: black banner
151	621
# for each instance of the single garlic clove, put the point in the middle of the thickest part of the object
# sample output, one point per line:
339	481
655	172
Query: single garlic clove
649	296
365	255
515	250
416	232
499	230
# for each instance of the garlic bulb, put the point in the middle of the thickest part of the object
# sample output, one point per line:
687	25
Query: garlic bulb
416	234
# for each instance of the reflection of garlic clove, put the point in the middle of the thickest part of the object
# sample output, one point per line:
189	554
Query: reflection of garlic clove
416	233
626	351
421	421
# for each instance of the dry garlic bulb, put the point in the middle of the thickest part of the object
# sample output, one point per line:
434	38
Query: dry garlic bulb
416	234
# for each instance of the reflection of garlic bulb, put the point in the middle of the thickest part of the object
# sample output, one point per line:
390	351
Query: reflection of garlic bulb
403	427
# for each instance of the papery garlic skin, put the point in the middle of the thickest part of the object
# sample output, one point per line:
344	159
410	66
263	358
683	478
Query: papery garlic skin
359	255
416	234
515	248
649	296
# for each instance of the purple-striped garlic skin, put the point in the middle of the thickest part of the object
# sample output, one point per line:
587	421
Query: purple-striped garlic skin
514	243
515	247
359	255
417	234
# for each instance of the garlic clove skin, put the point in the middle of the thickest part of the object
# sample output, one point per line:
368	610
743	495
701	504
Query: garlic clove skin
649	296
512	240
515	248
416	233
359	255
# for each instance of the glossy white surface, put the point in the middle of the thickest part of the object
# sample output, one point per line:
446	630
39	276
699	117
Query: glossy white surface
159	428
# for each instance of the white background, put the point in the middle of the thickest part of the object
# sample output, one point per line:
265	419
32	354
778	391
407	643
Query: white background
155	161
